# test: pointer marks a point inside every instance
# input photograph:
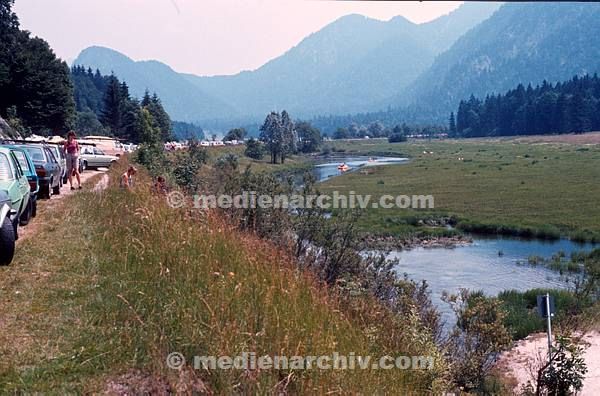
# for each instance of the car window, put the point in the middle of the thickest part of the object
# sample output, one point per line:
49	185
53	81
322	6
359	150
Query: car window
5	171
18	172
98	152
87	150
36	154
51	156
22	160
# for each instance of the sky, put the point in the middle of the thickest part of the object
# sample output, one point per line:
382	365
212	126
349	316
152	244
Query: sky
203	37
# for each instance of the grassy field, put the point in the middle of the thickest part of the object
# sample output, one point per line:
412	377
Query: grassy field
96	303
513	186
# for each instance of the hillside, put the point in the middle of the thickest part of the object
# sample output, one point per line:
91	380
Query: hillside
521	43
190	284
345	67
183	101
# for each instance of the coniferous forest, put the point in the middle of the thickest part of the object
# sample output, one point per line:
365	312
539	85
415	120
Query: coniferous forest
565	107
36	93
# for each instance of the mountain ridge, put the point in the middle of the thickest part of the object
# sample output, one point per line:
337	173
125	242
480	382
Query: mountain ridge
324	74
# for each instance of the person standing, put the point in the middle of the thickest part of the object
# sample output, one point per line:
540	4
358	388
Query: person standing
72	151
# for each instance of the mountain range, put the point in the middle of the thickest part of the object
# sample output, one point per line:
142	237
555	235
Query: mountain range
357	64
345	67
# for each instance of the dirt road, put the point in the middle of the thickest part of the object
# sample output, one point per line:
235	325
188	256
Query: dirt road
45	205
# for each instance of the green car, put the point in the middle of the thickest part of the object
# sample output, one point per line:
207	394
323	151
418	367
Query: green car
15	189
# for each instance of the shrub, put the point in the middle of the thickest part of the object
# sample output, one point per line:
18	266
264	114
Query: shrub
254	149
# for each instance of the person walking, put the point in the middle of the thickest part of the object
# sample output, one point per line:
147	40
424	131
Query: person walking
72	151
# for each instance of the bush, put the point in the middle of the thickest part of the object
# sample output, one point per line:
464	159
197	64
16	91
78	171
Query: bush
397	138
254	149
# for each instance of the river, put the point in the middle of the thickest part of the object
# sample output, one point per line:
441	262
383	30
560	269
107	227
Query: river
477	266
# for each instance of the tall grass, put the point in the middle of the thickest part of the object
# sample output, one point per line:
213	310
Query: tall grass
154	280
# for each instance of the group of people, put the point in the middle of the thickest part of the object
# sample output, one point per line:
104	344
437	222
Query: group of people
72	151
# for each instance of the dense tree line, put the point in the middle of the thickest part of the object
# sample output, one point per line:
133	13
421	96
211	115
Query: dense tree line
412	115
105	106
564	107
378	130
187	131
36	93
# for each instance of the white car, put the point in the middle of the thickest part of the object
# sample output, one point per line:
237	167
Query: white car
92	157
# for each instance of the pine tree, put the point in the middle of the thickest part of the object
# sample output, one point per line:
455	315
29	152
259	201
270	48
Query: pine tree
111	114
452	125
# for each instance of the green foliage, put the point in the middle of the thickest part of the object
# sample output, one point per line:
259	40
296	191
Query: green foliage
185	167
522	317
32	79
106	107
89	88
228	162
254	149
87	123
397	138
235	134
187	131
477	338
570	106
161	119
279	135
309	138
566	372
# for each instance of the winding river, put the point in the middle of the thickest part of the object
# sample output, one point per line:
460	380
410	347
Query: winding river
477	266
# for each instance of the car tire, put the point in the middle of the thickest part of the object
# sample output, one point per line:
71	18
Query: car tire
26	215
34	208
84	165
7	242
16	228
56	190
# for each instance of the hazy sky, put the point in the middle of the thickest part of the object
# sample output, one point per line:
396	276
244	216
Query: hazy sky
204	37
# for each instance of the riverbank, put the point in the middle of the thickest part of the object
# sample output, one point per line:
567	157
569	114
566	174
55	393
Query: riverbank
386	243
519	364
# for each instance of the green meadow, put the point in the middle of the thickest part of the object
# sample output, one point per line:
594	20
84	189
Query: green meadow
505	186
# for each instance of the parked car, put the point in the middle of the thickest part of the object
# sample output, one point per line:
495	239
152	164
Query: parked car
28	168
93	157
47	169
7	231
14	183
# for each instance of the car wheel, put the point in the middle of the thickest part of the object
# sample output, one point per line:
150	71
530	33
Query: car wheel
84	165
34	208
26	215
7	242
56	190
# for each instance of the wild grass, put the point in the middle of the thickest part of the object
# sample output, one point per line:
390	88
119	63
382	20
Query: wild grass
493	186
522	317
127	280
